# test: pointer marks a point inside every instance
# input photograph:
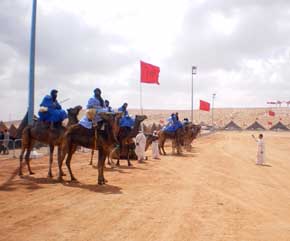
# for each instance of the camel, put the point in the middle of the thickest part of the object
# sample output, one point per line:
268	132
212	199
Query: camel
177	136
99	138
125	138
190	133
117	119
42	132
183	136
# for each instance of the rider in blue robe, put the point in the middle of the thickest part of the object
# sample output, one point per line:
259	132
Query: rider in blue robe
126	120
95	102
54	111
174	123
108	108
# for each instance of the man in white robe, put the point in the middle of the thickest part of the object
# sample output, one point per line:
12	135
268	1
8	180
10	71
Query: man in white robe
261	150
155	148
140	142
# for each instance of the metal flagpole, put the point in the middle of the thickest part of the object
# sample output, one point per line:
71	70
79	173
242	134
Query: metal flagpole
32	64
212	108
193	71
141	105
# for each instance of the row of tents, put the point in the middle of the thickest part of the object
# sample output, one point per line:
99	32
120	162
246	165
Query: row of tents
12	129
256	126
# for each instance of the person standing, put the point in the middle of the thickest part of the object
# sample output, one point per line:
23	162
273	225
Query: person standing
155	146
261	150
140	142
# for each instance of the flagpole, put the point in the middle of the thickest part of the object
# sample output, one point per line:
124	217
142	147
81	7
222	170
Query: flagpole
31	64
193	71
141	105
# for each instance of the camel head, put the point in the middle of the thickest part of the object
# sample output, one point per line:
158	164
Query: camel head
75	110
73	114
140	118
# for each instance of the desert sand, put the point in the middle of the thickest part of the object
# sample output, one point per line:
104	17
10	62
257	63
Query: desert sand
214	193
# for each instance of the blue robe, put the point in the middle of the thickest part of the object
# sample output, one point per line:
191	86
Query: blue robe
174	124
94	103
85	122
54	112
109	109
125	113
126	120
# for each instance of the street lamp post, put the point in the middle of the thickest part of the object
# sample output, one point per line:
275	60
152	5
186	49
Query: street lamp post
193	72
32	64
212	108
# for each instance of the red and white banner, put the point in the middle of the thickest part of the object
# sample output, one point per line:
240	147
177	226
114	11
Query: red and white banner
149	73
203	105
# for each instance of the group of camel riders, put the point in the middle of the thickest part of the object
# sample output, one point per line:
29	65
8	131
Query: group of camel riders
81	135
51	111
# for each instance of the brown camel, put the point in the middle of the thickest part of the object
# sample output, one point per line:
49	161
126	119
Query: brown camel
101	138
42	132
177	136
117	128
125	138
190	133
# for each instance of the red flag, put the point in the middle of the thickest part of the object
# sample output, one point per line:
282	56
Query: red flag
203	105
149	73
271	113
270	123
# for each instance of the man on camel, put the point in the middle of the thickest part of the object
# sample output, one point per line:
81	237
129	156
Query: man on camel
126	120
96	102
51	111
108	108
173	123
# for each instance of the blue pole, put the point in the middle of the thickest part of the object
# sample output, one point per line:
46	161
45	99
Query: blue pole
31	65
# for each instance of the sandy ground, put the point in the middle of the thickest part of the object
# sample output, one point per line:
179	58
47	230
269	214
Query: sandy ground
214	193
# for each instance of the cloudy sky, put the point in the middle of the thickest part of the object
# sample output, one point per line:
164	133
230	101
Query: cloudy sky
241	49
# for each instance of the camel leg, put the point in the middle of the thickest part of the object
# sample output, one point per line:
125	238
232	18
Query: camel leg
110	157
62	151
173	144
162	147
20	160
68	160
60	160
101	162
92	155
51	149
27	159
128	157
118	156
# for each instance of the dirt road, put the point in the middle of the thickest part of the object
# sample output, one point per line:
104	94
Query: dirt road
214	193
